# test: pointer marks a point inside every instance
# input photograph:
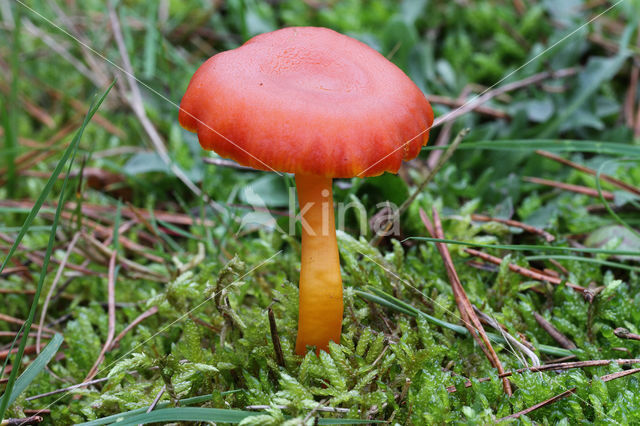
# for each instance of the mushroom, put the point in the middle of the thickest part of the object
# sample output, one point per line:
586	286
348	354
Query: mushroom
320	105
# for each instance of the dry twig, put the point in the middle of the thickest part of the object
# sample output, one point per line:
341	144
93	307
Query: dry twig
468	315
7	352
146	314
46	149
135	101
33	420
514	223
623	333
445	133
128	264
222	162
18	321
538	276
56	279
111	286
476	102
457	103
535	361
157	399
563	340
579	189
585	169
405	205
275	338
67	389
605	378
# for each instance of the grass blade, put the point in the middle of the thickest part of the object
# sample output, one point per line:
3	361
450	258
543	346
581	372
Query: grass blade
69	154
218	415
390	301
525	247
553	145
33	369
52	180
122	416
587	260
193	414
597	71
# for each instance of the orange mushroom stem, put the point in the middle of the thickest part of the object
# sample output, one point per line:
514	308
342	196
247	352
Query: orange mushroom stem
320	311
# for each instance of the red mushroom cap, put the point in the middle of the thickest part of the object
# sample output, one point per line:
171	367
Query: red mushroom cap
310	101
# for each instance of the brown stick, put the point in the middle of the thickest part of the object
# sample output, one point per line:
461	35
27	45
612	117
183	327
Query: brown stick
605	378
275	338
469	317
636	127
33	420
563	340
72	387
204	323
585	169
532	229
579	189
133	266
30	158
524	271
56	279
29	292
18	321
32	109
14	333
33	411
524	349
623	333
20	269
146	314
111	290
539	405
38	113
222	162
444	100
27	351
76	104
630	98
137	105
37	257
445	133
128	212
558	265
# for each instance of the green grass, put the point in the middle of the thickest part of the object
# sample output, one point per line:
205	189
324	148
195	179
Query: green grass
206	352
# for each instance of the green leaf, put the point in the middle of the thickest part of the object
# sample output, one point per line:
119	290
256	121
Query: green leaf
386	187
627	241
597	71
145	162
33	369
269	190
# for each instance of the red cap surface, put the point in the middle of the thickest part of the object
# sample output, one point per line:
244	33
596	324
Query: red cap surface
310	101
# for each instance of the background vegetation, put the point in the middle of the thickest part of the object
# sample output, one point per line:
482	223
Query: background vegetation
106	216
